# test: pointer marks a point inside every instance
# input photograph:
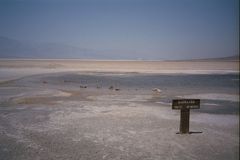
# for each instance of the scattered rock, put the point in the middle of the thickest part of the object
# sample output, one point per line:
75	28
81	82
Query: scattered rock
111	87
117	89
45	82
157	90
65	81
83	86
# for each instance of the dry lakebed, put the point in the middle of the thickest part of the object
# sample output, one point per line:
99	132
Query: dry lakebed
117	110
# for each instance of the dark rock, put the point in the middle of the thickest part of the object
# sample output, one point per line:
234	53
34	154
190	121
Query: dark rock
83	86
45	82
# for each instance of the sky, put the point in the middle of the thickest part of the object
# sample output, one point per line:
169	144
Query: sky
144	29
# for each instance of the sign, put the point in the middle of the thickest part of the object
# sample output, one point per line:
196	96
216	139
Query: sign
185	105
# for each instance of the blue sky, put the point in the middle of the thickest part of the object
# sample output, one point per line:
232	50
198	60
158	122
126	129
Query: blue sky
148	29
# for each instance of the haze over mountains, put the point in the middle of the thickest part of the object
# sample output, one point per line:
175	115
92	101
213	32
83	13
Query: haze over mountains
11	48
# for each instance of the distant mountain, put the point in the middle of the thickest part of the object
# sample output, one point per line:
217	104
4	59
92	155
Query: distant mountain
11	48
229	58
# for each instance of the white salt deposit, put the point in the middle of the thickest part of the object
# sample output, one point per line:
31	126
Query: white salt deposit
125	98
214	96
210	104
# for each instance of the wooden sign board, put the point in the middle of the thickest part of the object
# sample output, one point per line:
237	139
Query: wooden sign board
186	104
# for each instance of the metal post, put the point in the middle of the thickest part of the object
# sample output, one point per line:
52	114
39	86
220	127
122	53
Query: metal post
184	121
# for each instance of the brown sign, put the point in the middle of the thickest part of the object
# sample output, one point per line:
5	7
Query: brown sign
186	104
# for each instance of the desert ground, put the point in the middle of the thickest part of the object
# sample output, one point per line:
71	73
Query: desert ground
113	110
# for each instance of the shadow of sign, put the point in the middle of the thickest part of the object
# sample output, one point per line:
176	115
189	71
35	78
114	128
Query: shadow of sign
191	132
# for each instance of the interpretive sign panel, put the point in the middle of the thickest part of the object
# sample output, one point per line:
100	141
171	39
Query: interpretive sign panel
186	104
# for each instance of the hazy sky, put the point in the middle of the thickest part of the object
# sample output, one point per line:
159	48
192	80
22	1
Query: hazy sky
157	29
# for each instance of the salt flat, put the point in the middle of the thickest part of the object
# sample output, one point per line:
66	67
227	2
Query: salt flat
74	109
125	66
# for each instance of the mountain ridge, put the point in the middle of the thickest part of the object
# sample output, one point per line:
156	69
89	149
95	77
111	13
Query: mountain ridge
15	49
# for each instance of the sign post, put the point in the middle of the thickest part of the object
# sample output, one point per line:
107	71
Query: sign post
185	105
